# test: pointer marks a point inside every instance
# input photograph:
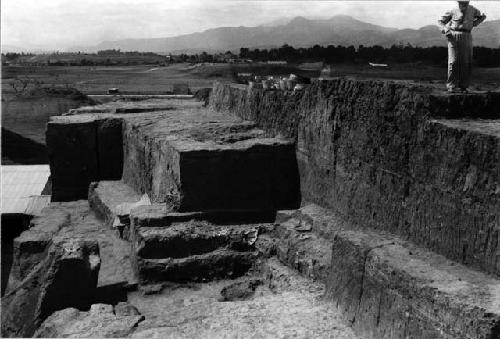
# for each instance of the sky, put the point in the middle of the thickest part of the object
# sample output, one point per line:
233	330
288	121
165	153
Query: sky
60	24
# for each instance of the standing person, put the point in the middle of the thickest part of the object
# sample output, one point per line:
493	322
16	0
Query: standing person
457	25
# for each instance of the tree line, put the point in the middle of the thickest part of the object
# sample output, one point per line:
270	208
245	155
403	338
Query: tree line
109	57
483	57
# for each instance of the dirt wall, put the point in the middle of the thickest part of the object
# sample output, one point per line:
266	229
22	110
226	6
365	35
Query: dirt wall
82	150
393	156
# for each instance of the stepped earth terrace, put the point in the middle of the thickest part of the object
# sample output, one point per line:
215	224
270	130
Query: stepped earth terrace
351	209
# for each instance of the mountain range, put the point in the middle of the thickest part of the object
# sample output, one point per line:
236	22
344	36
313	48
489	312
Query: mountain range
298	32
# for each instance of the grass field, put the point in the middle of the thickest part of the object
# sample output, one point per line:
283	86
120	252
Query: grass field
94	80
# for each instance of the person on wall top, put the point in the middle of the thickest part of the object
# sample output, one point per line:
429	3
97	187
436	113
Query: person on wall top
457	25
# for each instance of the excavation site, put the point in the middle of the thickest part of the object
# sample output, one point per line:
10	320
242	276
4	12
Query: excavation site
353	208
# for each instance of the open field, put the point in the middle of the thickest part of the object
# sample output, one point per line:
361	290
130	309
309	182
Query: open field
483	78
94	80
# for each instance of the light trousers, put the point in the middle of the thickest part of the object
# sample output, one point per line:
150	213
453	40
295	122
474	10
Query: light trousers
459	60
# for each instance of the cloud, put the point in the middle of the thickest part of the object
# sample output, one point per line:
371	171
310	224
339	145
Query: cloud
58	24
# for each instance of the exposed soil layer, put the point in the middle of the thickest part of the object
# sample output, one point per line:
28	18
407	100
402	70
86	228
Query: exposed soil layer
396	156
67	221
12	226
403	247
285	305
187	156
385	286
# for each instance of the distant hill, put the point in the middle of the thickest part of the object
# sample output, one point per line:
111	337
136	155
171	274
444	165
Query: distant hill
299	32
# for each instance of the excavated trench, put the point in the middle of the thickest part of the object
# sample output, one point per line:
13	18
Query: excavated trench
356	209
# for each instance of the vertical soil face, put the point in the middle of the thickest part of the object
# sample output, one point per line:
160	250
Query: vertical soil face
190	157
386	154
374	151
12	226
83	149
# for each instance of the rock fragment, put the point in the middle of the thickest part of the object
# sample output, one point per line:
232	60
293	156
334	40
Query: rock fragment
242	290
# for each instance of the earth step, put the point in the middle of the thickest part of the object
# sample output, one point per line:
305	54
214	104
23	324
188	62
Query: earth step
105	197
71	220
128	107
219	264
200	160
118	110
159	215
303	250
191	238
390	288
111	200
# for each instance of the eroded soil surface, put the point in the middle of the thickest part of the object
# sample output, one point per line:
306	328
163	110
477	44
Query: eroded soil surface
285	305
